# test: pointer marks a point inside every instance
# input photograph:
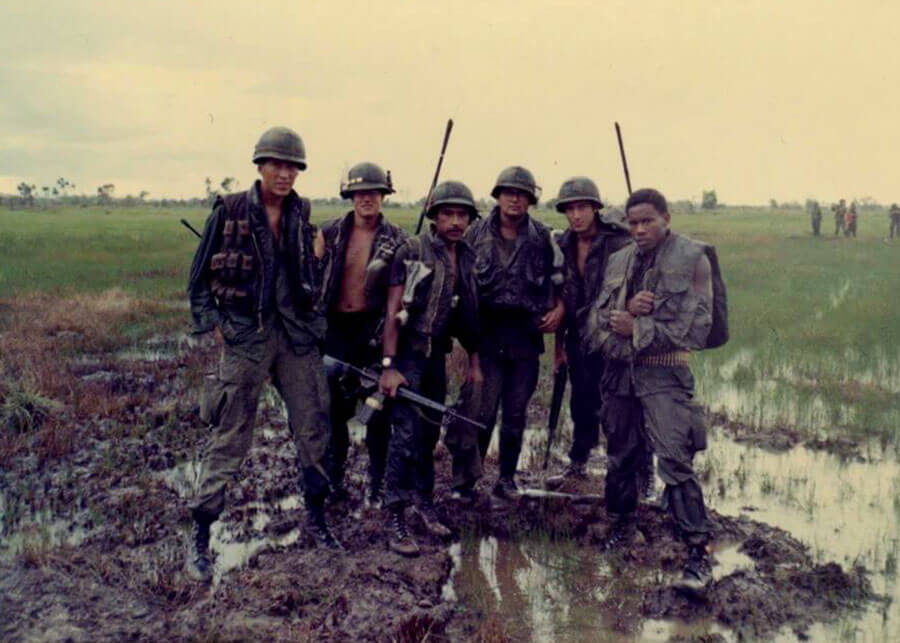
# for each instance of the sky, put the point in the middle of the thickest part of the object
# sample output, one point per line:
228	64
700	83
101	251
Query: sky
757	100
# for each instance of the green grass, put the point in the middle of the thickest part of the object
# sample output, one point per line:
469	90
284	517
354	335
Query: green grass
814	321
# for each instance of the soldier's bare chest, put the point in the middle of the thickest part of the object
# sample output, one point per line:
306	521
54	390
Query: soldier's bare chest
353	281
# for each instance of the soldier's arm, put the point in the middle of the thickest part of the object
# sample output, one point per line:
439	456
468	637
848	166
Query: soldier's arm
204	310
683	322
391	337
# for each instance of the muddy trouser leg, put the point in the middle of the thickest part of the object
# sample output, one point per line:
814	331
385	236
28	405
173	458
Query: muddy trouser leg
301	381
467	443
623	419
341	409
236	395
378	435
404	444
676	429
434	386
519	381
583	405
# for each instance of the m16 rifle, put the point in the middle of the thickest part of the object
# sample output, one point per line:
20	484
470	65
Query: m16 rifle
368	380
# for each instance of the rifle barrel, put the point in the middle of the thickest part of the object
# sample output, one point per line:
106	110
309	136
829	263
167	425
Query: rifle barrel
437	173
624	160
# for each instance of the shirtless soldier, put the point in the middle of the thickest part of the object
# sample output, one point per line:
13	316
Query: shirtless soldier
355	252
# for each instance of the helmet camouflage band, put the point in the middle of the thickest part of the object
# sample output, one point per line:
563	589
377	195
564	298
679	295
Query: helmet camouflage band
519	178
451	193
366	176
281	143
577	188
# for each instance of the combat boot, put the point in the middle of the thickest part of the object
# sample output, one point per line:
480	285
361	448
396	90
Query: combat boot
465	495
575	471
621	533
506	488
697	571
426	512
318	526
199	565
400	541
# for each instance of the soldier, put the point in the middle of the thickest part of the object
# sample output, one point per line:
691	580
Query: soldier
253	279
433	282
839	209
655	306
519	274
815	214
591	238
355	253
894	214
850	221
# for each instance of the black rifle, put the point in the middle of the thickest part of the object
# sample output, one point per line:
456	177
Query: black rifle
187	225
559	387
437	173
368	380
624	160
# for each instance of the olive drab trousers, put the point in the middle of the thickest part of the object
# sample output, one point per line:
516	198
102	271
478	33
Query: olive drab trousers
231	410
659	409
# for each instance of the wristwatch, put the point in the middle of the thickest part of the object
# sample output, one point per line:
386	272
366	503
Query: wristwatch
387	362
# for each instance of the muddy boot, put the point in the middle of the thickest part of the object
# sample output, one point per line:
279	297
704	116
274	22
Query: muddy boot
506	488
318	527
575	471
199	565
621	533
697	572
465	495
426	513
400	541
373	497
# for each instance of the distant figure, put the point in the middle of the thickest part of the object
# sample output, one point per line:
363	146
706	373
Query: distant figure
815	214
894	215
850	221
839	209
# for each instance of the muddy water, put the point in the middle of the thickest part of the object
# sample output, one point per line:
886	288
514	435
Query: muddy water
844	511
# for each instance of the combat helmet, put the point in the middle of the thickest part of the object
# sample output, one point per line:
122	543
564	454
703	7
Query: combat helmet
280	143
366	176
516	176
577	188
452	193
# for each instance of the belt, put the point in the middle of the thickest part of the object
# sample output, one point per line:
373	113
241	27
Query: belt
675	358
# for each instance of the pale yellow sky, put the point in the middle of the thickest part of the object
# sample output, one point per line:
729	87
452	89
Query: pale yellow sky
783	99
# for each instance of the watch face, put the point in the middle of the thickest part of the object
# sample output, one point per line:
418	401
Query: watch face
386	362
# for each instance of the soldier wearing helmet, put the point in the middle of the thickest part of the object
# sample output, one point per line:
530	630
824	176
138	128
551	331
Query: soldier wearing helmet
432	298
519	274
355	252
894	216
253	279
593	235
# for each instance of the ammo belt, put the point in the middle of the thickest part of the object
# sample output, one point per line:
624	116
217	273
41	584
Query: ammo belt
675	358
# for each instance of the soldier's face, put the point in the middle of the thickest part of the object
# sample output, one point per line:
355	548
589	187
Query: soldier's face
451	222
367	203
277	177
580	215
647	225
513	203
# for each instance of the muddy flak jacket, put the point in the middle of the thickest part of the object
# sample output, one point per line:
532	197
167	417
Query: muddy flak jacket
681	321
336	234
437	304
578	292
526	280
234	282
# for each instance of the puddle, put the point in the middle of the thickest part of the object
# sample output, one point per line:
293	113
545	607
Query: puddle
231	554
848	512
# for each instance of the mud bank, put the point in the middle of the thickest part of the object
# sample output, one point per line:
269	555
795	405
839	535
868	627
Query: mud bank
94	534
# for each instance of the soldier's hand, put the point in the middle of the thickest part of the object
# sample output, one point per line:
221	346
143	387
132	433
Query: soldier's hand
641	303
475	376
391	379
621	322
552	319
